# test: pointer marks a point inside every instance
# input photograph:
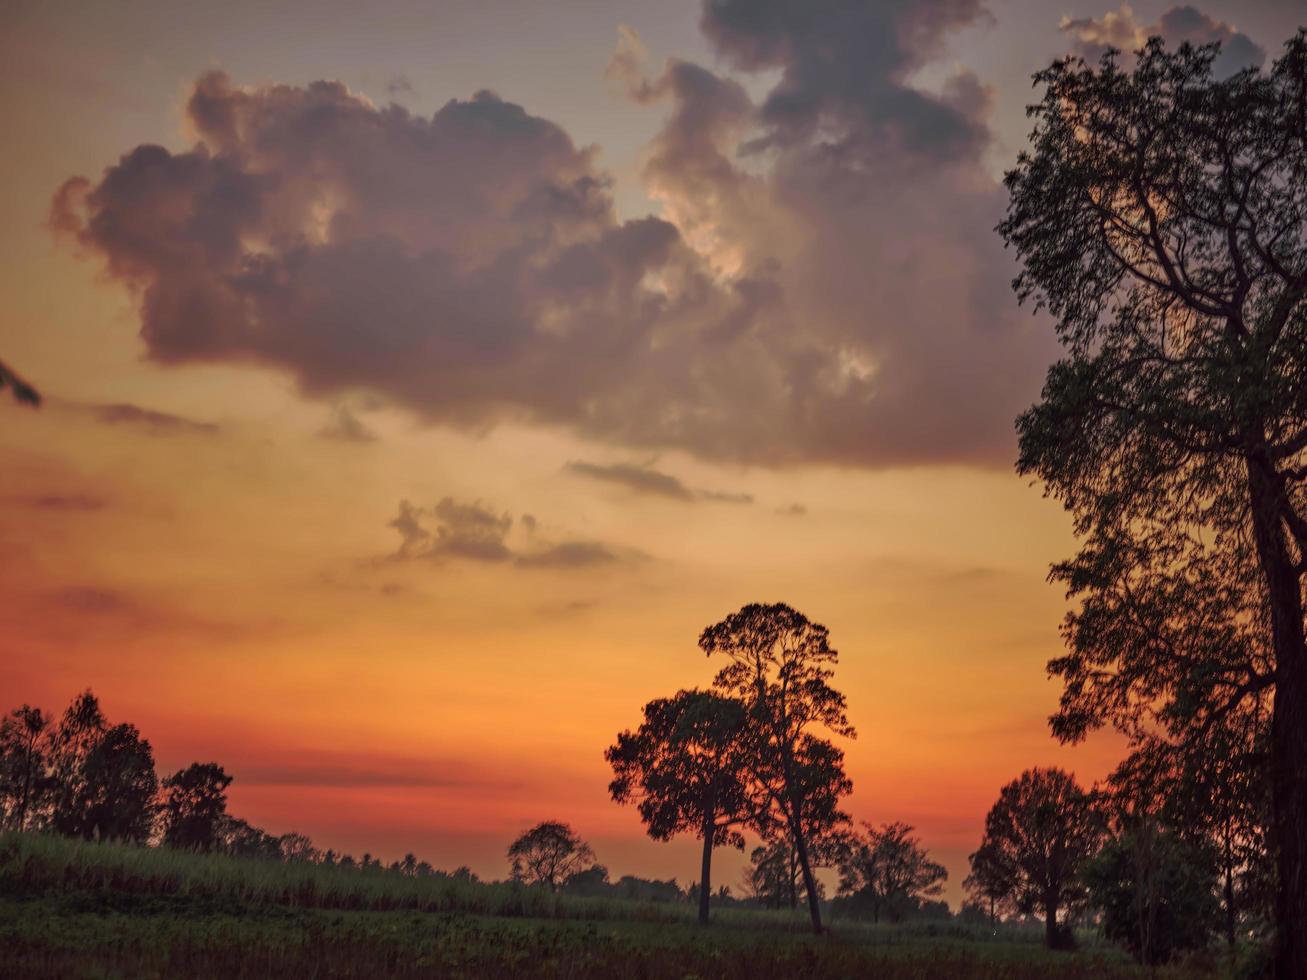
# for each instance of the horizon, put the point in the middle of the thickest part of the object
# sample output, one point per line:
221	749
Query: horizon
408	595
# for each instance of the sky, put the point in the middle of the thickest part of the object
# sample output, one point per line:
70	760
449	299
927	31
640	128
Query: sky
422	378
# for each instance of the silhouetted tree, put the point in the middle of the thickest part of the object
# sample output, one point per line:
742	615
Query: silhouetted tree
299	847
593	881
195	802
686	769
780	665
988	882
118	788
239	839
72	741
23	776
1038	836
1156	893
889	870
1161	217
548	854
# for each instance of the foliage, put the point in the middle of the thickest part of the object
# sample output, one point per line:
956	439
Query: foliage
779	664
548	854
23	765
195	803
1038	836
1156	893
888	870
1161	218
686	768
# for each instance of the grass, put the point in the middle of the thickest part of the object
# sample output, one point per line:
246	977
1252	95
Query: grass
86	910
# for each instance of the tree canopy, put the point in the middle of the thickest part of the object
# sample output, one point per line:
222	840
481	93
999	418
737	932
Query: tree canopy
889	870
548	854
1160	216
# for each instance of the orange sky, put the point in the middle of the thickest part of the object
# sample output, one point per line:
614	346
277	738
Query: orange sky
215	560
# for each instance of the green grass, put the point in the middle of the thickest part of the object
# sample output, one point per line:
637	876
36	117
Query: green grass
76	909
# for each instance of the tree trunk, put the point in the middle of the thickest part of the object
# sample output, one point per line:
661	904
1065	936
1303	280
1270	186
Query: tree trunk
1288	720
1050	923
705	871
1229	904
809	882
793	868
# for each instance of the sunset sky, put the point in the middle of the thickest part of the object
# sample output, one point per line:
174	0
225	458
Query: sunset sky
421	378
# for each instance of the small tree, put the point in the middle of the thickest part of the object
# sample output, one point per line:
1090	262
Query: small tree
548	854
195	802
889	870
1038	837
23	762
779	666
1156	893
685	768
72	741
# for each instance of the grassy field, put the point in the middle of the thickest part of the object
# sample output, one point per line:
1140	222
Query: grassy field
73	909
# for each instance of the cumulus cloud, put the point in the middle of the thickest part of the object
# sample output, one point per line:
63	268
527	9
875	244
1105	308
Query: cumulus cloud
1122	30
822	284
644	479
474	532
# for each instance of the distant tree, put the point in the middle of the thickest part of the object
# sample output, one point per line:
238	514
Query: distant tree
889	870
23	765
779	666
1156	893
23	393
548	854
593	881
1161	217
1038	837
239	839
686	769
464	873
195	802
989	883
118	787
298	847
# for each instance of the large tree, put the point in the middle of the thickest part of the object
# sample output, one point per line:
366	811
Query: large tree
72	741
686	770
1161	217
1038	837
548	854
780	665
888	869
119	787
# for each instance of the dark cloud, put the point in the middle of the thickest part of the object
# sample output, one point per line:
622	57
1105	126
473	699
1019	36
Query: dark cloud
62	502
345	426
1121	30
823	284
473	532
646	480
86	599
149	420
399	86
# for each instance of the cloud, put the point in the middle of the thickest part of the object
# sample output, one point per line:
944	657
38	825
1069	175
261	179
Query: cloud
822	284
73	502
793	510
473	532
345	426
646	480
1121	30
149	420
86	599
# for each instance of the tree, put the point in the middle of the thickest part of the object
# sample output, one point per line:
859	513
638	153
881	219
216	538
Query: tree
889	870
72	741
1038	836
988	882
195	803
299	847
23	779
548	854
685	768
779	666
118	787
1156	893
1161	217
